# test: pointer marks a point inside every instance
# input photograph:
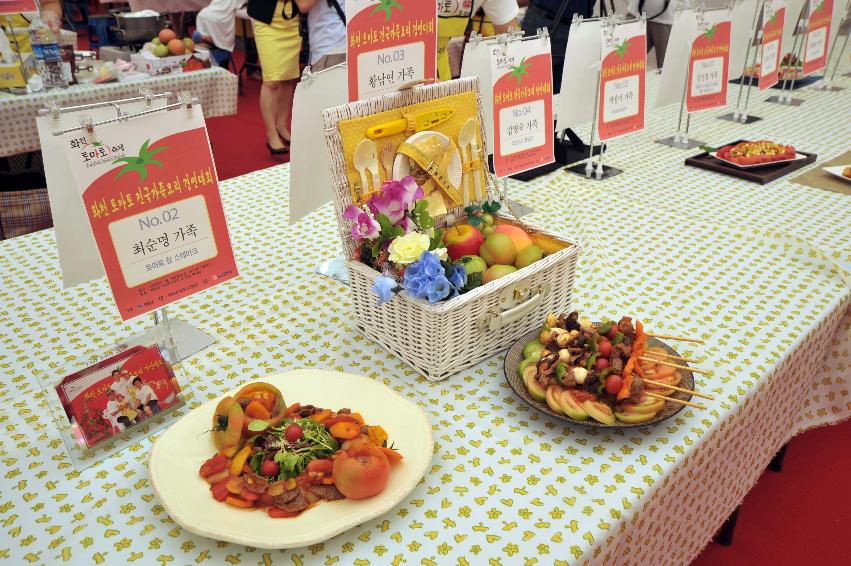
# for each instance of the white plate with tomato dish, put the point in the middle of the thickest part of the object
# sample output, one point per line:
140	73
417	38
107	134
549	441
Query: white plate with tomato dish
249	468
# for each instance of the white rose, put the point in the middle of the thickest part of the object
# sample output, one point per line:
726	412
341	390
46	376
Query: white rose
441	253
407	249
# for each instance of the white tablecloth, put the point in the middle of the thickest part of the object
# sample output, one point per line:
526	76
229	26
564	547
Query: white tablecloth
216	87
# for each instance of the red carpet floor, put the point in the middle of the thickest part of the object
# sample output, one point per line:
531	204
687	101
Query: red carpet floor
800	516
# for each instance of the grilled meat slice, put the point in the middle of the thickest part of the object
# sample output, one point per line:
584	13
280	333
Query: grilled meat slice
327	492
636	389
285	497
294	505
623	351
616	364
255	483
572	321
626	327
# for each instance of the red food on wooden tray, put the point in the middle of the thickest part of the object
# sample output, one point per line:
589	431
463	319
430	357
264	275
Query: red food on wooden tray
756	152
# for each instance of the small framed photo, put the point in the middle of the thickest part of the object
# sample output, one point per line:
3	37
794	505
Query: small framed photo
117	394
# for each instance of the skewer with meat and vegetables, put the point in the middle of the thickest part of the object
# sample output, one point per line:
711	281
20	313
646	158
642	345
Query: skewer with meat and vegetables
603	371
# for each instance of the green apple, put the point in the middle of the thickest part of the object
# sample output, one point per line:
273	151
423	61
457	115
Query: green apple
528	256
161	51
156	41
475	268
487	231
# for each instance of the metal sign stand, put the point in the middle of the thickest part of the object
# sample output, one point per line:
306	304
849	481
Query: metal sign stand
176	338
600	171
785	96
827	82
740	114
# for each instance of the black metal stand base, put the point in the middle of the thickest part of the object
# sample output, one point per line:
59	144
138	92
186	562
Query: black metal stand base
725	535
776	464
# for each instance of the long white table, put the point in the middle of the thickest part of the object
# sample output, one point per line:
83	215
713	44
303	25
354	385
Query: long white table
216	87
756	271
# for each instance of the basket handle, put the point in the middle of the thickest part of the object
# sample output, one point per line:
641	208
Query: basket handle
495	321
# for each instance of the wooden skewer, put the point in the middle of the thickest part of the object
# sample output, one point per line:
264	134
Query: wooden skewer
680	358
675	400
673	365
683	338
680	389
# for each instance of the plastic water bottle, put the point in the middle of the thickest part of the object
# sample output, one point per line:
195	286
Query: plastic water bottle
47	54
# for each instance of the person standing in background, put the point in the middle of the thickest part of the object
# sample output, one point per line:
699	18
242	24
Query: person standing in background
556	16
278	45
51	14
326	28
455	19
660	19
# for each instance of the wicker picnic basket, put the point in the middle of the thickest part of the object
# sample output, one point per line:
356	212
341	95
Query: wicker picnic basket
439	340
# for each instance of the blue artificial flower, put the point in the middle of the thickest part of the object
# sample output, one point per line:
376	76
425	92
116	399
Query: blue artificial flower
457	276
414	270
438	289
415	286
384	287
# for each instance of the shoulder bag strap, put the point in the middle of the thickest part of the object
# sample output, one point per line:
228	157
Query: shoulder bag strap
336	5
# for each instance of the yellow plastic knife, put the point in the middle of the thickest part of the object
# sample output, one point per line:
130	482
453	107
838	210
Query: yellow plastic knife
414	122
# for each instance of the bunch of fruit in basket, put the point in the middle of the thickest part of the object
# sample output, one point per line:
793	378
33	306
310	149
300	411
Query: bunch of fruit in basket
396	235
167	44
604	371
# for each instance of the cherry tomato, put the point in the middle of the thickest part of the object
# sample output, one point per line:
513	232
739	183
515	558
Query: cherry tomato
293	433
604	348
269	468
613	332
601	364
321	466
613	384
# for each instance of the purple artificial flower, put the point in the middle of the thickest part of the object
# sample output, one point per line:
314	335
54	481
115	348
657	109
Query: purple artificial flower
365	226
384	287
395	198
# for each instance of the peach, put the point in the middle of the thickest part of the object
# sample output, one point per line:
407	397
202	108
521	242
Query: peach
498	250
461	240
497	271
518	235
167	35
176	47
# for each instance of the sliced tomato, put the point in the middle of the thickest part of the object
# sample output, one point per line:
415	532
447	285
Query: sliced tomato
249	495
213	466
320	466
220	490
277	513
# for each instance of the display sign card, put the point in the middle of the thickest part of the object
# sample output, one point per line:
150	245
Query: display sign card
151	194
709	62
622	79
390	43
818	36
17	6
522	76
773	13
117	394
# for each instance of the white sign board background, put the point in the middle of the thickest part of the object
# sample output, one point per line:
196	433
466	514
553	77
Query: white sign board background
675	71
310	168
790	23
79	259
477	63
579	77
742	19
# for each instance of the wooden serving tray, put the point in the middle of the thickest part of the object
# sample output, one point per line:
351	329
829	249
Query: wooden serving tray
761	175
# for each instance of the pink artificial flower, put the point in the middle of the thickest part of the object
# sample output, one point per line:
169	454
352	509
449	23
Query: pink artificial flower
365	226
395	198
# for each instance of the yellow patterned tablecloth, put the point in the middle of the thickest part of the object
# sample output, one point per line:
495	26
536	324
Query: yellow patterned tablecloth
507	485
215	87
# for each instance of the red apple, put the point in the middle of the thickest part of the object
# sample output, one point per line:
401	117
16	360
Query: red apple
461	240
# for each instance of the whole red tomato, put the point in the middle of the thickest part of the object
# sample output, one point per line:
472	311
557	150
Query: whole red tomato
361	471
